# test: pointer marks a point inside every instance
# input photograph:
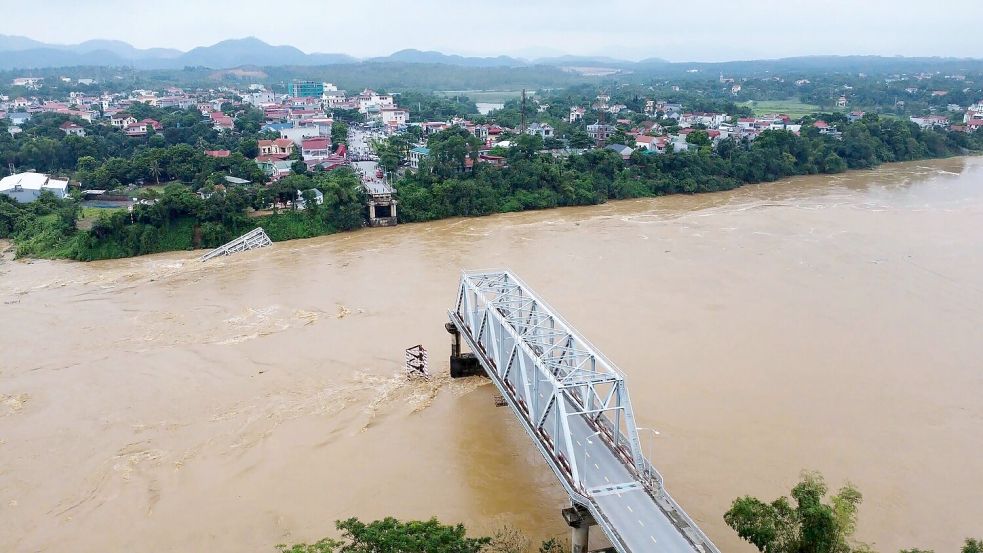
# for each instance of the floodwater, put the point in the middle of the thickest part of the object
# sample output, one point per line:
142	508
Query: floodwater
827	323
484	108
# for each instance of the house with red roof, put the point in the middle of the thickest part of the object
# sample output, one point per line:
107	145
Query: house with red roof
218	153
645	142
221	121
281	148
122	120
315	148
141	128
72	129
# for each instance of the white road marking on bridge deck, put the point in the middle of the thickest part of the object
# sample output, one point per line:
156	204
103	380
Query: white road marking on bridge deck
640	523
629	508
653	539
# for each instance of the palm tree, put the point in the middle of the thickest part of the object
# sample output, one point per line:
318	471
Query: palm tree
154	170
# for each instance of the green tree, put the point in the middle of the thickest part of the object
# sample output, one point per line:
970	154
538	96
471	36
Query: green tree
154	169
322	546
339	133
552	545
699	138
808	526
393	536
507	540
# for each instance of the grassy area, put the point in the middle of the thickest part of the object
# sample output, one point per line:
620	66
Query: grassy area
792	107
485	96
95	212
290	225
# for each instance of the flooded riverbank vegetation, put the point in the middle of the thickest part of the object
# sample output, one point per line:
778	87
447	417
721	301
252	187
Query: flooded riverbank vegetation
451	183
443	187
180	219
805	523
802	523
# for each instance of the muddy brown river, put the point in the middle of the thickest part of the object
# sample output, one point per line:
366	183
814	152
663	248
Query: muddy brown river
827	323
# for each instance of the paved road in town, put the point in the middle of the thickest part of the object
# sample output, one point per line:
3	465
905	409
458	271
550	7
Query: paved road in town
358	146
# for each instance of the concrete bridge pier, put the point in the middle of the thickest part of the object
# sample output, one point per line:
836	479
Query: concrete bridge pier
462	364
580	520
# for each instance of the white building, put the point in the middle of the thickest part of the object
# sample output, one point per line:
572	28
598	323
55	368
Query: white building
927	121
29	82
26	187
259	98
393	116
711	120
72	129
298	134
544	130
370	100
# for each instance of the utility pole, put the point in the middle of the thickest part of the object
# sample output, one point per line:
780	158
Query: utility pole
522	125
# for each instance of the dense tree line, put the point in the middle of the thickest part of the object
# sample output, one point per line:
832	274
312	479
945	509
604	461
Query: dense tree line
533	180
179	218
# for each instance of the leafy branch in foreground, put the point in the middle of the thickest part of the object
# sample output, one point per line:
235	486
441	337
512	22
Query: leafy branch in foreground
390	535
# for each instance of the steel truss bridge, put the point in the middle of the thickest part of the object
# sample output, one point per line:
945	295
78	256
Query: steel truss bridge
573	402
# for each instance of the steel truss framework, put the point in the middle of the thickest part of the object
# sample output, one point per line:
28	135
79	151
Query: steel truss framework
549	373
256	238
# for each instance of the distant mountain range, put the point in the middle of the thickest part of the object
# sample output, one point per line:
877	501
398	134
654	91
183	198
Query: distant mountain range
18	52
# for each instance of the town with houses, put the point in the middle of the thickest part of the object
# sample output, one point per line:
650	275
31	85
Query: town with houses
299	121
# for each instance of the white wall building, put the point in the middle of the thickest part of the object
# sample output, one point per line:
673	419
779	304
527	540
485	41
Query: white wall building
394	117
26	187
298	134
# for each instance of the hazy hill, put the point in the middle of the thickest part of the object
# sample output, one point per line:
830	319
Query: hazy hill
419	56
18	52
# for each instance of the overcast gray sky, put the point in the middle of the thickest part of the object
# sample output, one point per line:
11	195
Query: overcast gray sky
683	30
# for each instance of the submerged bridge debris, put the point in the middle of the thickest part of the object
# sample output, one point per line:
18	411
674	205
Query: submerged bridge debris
256	238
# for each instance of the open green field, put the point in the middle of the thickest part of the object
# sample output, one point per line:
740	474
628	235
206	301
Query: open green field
793	108
93	212
486	96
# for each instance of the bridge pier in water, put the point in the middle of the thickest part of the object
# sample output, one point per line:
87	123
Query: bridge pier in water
580	520
462	364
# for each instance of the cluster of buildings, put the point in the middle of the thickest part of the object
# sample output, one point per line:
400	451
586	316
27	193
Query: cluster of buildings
301	117
972	120
104	107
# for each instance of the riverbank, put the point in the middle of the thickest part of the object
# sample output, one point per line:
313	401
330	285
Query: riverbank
46	241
